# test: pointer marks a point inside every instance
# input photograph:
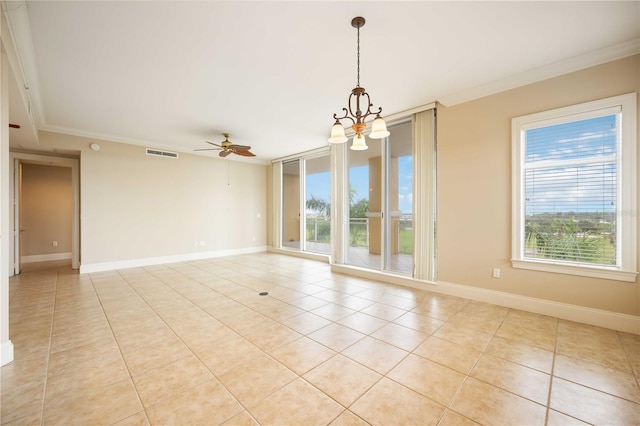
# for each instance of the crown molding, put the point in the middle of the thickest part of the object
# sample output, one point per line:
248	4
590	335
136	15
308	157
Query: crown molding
140	142
576	63
18	36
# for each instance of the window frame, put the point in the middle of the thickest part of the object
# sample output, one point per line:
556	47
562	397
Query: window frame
625	270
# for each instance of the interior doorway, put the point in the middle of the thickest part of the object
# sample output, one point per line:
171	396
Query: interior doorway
45	217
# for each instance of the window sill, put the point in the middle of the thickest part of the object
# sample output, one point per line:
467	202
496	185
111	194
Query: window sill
583	270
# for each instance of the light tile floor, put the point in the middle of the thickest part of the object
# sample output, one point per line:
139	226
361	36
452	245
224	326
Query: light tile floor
195	343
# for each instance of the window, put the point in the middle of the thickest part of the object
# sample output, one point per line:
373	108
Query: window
574	189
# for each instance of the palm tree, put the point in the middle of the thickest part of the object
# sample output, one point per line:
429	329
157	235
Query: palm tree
323	207
564	240
357	209
320	206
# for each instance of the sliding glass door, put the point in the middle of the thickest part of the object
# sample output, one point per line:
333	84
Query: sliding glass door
380	200
306	204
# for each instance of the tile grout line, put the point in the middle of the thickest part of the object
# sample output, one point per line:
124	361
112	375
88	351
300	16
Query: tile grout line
46	375
299	376
626	354
135	290
215	376
551	374
119	348
468	374
596	389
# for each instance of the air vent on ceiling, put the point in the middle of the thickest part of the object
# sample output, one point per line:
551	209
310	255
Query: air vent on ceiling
158	153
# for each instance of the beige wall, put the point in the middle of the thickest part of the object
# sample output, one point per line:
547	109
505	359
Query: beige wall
134	206
474	189
46	210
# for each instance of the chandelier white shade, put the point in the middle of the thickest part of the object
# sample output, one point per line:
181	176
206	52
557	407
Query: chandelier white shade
379	129
359	144
337	134
354	113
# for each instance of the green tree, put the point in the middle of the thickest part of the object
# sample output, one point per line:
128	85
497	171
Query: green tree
320	206
562	239
318	226
358	209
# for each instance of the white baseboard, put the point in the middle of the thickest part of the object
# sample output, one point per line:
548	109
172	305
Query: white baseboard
582	314
372	274
45	257
136	263
6	353
304	254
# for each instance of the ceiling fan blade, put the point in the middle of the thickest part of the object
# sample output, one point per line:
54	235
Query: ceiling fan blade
214	144
208	149
225	153
240	147
245	153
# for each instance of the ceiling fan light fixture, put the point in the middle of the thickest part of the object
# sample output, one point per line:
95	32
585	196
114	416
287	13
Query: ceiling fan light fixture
227	147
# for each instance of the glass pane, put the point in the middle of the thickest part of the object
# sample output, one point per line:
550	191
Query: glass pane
318	204
400	200
570	186
365	206
291	204
577	140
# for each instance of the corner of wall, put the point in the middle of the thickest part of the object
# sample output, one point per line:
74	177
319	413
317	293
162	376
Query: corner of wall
6	353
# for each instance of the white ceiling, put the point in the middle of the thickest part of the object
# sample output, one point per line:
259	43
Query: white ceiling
171	74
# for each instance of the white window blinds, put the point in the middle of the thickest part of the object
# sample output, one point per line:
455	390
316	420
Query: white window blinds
570	189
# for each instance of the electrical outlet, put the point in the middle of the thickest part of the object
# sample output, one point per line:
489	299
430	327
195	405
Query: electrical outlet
54	243
496	273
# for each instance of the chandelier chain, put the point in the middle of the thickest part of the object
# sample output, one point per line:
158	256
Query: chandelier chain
358	85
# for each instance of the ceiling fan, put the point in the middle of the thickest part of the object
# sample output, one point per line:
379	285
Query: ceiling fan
226	147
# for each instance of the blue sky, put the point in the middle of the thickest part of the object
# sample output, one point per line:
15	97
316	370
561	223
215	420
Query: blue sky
319	186
580	185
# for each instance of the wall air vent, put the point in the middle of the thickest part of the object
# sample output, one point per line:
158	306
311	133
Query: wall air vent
158	153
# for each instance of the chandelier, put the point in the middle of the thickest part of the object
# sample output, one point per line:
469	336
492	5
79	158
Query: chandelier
357	97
